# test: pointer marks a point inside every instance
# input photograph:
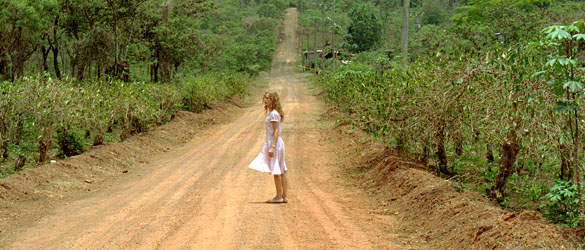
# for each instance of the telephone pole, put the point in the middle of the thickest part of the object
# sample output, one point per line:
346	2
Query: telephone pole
315	35
323	23
333	39
302	34
308	35
405	31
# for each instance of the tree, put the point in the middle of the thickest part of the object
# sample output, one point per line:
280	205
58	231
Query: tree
268	10
487	22
365	31
21	24
93	37
83	23
563	74
434	12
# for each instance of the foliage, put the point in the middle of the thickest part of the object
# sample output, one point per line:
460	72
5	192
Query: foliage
148	40
198	94
566	80
469	104
69	144
20	25
205	52
453	114
268	10
562	203
434	12
69	116
371	58
488	23
365	30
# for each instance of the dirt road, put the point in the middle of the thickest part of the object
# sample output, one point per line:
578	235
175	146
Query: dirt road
203	196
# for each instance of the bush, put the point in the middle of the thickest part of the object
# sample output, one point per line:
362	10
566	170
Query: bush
434	12
67	115
268	10
562	203
457	114
365	30
70	144
206	91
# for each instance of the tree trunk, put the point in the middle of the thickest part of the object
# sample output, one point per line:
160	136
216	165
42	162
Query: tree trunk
98	139
56	62
404	40
150	70
441	152
4	139
459	144
510	149
579	192
45	56
19	130
63	63
4	148
21	56
489	154
577	165
155	72
566	170
80	71
114	9
45	143
19	163
425	156
43	151
73	64
4	70
55	48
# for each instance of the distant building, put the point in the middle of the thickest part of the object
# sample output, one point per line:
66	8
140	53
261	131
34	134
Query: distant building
312	55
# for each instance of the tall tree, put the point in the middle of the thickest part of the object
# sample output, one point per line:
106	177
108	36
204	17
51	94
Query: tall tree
89	42
21	24
365	30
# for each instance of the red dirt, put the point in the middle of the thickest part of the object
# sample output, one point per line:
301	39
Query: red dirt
435	215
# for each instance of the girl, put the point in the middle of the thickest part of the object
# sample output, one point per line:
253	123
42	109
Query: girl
271	158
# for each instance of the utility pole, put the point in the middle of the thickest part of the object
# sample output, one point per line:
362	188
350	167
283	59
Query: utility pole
405	31
323	30
333	38
308	35
302	34
315	34
323	22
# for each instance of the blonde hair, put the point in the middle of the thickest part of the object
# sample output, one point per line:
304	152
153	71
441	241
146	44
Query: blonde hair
274	104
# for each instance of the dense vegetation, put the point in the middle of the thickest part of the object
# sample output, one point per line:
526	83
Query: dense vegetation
75	73
489	96
147	39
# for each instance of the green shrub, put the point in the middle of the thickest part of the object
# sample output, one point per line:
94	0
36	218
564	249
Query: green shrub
206	91
456	113
66	115
69	143
562	203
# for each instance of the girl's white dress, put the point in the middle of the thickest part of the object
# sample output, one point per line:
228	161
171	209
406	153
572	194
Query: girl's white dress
264	163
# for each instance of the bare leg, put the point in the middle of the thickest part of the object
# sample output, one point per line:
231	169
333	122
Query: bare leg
284	185
278	184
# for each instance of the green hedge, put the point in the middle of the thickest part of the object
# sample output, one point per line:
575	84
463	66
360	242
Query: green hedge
41	118
467	108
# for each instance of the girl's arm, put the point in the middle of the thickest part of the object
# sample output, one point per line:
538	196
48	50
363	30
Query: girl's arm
275	136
